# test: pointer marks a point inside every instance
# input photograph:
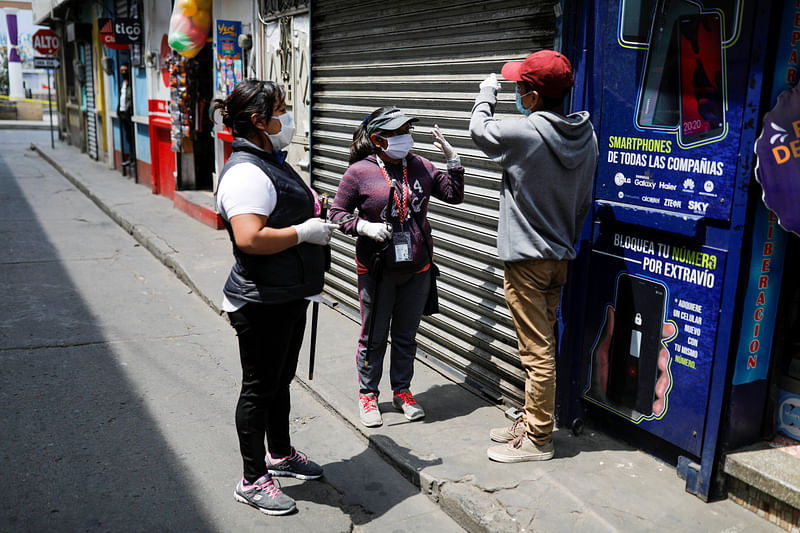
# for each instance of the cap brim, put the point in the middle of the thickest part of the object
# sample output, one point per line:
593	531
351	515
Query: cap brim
511	70
397	123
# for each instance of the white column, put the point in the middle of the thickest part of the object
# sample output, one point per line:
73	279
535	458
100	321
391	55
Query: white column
15	87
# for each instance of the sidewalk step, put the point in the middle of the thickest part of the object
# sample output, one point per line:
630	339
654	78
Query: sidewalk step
765	478
200	206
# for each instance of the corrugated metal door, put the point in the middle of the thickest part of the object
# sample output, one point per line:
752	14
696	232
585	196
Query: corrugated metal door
91	105
428	59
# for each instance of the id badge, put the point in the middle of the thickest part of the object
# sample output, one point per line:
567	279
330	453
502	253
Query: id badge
402	246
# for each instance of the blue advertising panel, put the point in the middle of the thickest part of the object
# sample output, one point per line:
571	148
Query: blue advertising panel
229	56
675	82
675	78
654	329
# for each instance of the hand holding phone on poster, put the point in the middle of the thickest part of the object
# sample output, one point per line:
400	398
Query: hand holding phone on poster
601	364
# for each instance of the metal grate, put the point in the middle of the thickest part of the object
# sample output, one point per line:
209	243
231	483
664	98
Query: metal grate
428	59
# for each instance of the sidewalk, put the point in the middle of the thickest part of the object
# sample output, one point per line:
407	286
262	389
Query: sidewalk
43	124
594	483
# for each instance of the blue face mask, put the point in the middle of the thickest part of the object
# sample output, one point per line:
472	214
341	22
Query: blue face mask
521	109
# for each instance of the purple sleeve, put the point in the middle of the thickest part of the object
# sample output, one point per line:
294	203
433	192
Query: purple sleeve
345	202
448	186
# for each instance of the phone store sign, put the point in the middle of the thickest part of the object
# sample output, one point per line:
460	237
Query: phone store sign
653	332
675	76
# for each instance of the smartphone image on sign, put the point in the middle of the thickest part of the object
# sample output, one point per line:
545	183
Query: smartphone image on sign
657	107
639	312
731	11
635	20
701	79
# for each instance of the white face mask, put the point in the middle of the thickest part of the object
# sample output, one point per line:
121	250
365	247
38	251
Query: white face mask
399	145
283	138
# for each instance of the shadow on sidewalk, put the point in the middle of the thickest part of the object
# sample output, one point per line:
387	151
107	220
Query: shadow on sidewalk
362	469
79	450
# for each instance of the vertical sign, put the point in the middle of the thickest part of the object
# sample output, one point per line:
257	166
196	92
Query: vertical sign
229	56
769	240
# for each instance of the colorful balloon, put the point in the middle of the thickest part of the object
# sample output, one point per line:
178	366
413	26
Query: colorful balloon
179	41
202	19
187	7
198	36
179	23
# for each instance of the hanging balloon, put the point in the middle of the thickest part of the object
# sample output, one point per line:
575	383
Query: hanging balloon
202	19
187	7
198	36
189	26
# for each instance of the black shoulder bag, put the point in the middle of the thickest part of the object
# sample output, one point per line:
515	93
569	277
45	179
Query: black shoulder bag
432	303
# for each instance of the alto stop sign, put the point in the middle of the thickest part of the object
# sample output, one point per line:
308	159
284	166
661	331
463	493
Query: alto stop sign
46	42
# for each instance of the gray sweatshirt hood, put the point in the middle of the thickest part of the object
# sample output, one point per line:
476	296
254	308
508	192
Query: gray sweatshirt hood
568	138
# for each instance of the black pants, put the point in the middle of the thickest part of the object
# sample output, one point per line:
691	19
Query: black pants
126	132
270	337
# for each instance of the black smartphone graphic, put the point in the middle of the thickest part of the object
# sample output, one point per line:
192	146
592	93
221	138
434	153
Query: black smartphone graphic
657	106
730	10
639	312
702	79
636	17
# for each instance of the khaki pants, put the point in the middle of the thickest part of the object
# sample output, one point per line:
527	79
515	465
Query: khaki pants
533	292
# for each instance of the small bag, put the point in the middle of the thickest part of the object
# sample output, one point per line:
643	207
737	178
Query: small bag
432	303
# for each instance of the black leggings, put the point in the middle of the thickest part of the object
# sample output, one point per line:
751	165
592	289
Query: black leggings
270	337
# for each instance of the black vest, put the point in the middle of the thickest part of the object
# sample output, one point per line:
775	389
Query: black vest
291	274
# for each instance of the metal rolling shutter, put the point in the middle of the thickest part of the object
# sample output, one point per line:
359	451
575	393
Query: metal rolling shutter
428	59
91	110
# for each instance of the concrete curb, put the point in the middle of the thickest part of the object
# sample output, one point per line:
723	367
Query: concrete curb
473	509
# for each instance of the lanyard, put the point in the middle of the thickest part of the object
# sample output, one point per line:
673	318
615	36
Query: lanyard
404	211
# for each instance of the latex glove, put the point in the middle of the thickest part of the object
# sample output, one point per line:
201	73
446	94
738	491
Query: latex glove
442	144
377	231
491	81
314	231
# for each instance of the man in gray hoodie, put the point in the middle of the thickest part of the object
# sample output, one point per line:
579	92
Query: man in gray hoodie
548	162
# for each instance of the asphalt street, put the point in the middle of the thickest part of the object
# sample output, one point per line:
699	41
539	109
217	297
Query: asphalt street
118	386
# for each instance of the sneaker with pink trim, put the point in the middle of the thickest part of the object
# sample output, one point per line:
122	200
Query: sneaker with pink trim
265	495
368	410
404	401
296	465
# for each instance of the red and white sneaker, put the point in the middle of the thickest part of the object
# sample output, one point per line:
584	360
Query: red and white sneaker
368	410
404	401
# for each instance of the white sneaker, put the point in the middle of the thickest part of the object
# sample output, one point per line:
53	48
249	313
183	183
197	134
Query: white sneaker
404	401
368	410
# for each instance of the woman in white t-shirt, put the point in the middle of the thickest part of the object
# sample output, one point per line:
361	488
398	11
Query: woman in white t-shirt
279	246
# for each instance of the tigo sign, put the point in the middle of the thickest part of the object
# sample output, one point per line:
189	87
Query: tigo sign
127	31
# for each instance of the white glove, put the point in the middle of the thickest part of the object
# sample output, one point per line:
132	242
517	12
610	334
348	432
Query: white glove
314	231
491	81
442	144
377	231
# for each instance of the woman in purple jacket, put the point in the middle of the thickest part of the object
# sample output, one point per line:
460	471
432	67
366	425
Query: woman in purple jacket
395	229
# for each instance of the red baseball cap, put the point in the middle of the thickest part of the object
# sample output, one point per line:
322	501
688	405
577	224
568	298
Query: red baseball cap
547	70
